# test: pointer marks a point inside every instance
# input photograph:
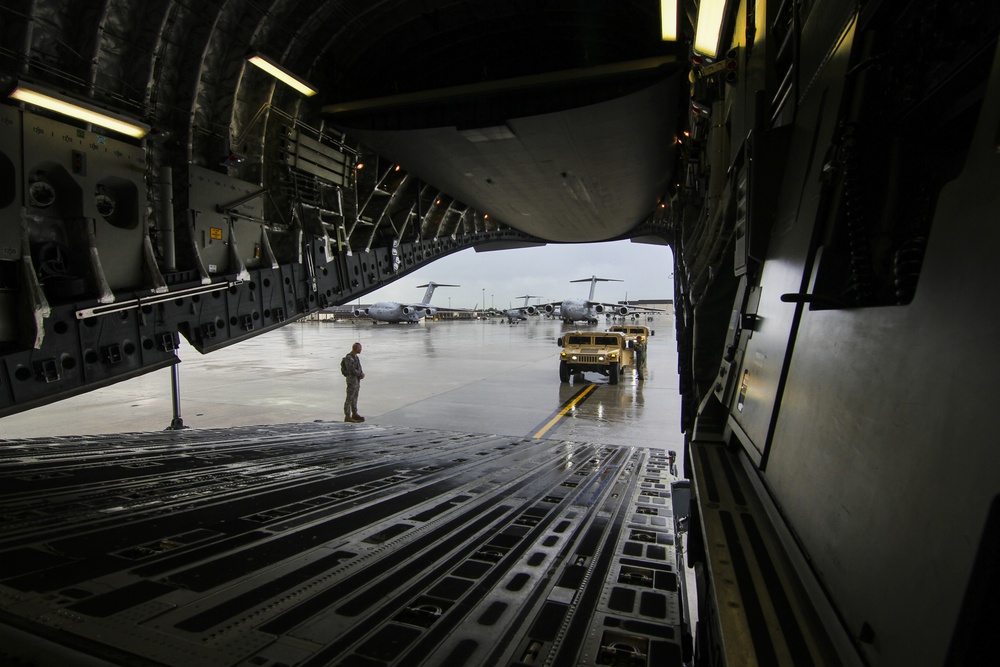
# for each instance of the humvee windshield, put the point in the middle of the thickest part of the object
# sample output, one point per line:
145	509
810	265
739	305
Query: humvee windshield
593	340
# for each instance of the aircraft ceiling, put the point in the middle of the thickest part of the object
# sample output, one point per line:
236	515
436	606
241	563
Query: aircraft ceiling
556	117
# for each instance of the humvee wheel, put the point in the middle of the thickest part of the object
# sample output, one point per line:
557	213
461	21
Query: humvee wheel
563	372
613	374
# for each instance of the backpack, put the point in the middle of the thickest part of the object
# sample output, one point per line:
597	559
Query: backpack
343	366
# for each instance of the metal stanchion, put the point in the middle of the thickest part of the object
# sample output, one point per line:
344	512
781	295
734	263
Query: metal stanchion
177	423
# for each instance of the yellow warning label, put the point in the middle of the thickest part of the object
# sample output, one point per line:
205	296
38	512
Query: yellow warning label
215	233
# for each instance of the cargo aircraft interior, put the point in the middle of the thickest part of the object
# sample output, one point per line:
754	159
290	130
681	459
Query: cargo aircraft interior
825	172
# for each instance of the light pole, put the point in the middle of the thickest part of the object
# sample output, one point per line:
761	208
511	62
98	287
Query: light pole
484	298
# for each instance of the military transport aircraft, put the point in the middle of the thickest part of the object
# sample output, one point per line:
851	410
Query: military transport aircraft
823	172
521	312
411	313
574	310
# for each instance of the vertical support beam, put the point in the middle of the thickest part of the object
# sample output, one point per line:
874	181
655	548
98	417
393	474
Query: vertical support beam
177	423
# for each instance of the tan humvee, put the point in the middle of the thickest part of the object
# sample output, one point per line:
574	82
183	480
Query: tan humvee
636	332
605	352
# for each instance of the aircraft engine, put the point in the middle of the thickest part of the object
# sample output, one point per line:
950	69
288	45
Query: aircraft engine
549	308
531	310
430	312
598	309
407	310
360	312
622	310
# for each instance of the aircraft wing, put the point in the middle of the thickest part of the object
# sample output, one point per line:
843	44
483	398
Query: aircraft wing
455	310
435	308
625	308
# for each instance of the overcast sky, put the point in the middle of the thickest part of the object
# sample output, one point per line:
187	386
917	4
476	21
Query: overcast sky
646	271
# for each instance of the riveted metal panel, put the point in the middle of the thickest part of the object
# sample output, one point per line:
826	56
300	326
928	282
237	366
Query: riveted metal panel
85	193
225	210
10	222
10	184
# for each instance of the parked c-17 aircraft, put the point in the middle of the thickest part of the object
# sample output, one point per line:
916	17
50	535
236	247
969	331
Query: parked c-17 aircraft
572	310
395	312
521	312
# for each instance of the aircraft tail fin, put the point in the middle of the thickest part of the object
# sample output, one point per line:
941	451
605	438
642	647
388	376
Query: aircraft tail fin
593	280
430	290
526	297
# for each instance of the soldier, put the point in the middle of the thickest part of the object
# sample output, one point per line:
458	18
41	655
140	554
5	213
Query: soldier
640	358
350	366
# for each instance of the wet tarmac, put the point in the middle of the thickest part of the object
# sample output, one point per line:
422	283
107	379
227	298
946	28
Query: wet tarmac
485	514
470	376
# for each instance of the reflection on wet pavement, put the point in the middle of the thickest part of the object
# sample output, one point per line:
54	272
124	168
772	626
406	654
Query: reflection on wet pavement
478	376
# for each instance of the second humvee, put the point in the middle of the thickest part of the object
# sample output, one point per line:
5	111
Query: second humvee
636	332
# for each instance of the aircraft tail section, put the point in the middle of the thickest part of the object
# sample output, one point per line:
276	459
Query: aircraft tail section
593	280
430	291
526	297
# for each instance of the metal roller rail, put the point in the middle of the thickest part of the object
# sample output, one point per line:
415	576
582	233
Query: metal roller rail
335	544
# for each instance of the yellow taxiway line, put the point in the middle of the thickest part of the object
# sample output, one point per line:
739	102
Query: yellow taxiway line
566	408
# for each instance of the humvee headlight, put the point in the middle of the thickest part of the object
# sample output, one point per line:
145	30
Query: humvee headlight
573	357
601	358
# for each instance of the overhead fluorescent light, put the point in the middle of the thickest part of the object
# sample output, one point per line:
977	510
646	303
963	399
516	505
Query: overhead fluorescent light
281	74
706	36
46	99
668	20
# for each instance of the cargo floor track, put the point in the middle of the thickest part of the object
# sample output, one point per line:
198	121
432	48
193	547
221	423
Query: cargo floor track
338	544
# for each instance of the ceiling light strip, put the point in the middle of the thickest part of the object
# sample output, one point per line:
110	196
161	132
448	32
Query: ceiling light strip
668	20
281	74
706	36
39	97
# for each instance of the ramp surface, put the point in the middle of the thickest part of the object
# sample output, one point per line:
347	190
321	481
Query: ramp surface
337	544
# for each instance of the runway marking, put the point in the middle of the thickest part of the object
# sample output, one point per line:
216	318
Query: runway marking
569	405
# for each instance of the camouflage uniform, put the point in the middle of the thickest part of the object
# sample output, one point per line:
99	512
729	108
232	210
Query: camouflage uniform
640	358
354	372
